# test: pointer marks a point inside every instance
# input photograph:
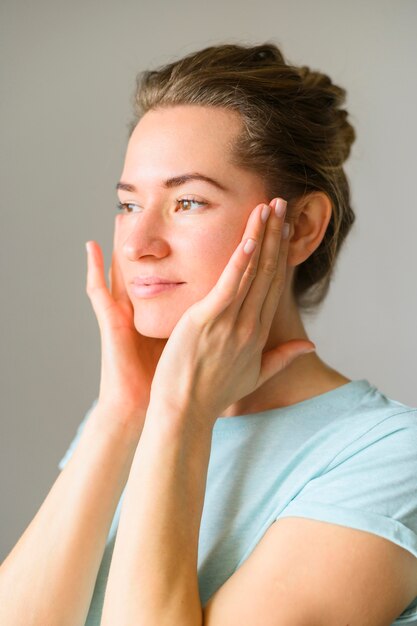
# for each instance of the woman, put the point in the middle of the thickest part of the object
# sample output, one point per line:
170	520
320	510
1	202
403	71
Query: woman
249	482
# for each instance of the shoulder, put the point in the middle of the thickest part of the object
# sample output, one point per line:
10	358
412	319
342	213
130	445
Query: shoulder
344	550
307	572
370	483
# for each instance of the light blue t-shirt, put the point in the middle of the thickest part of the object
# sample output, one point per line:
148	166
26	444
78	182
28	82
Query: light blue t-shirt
348	456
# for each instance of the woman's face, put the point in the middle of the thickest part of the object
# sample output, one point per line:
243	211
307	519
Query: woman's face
182	231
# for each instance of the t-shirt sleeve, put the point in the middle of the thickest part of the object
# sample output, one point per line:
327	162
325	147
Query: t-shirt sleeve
371	484
68	454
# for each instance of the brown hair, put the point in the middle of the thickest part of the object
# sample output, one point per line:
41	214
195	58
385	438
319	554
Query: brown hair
295	135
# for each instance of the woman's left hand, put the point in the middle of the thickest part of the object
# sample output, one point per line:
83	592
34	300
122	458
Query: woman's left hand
214	356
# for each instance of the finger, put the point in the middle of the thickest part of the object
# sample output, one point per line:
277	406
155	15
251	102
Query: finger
277	284
115	241
258	233
267	266
96	287
116	281
279	358
225	290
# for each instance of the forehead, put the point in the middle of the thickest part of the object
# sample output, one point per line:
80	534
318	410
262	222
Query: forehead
182	138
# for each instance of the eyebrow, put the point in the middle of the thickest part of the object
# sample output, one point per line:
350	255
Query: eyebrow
176	181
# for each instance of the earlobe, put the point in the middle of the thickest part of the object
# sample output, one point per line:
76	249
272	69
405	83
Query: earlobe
309	223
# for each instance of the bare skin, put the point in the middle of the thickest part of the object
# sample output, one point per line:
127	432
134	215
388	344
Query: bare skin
195	246
305	377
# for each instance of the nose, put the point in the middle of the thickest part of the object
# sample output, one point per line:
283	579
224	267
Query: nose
145	235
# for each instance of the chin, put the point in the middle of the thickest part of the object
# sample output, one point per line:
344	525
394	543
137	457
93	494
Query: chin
154	326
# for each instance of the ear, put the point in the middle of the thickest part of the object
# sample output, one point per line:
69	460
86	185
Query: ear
309	220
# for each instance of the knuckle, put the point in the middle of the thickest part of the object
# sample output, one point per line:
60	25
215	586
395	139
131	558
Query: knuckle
91	290
279	279
275	228
249	331
251	272
269	268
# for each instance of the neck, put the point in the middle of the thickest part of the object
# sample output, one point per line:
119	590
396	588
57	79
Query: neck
307	376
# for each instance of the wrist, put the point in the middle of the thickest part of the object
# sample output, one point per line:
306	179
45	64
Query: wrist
117	421
174	417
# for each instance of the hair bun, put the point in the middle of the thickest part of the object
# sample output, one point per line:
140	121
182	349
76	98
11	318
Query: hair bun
326	97
265	54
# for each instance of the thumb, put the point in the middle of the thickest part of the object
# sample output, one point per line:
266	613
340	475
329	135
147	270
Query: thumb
279	358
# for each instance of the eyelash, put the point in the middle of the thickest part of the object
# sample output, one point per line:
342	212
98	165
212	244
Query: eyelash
122	206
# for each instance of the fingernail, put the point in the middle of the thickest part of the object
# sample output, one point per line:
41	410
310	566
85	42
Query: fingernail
280	206
86	247
285	230
308	350
265	212
249	246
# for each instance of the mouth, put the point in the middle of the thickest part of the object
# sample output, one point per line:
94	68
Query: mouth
154	289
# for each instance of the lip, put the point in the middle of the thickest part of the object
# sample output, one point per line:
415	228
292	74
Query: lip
152	280
149	291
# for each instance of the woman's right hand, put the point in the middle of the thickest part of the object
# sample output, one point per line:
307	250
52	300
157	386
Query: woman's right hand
128	359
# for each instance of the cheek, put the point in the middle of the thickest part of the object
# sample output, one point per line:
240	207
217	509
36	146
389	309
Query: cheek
208	252
199	253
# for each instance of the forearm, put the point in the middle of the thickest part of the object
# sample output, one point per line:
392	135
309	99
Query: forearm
153	575
48	578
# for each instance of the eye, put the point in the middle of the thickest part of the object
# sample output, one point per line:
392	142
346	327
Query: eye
125	207
188	201
122	207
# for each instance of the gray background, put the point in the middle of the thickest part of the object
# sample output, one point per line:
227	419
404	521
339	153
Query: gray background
67	78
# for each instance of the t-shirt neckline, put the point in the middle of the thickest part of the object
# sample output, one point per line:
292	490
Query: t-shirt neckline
350	390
